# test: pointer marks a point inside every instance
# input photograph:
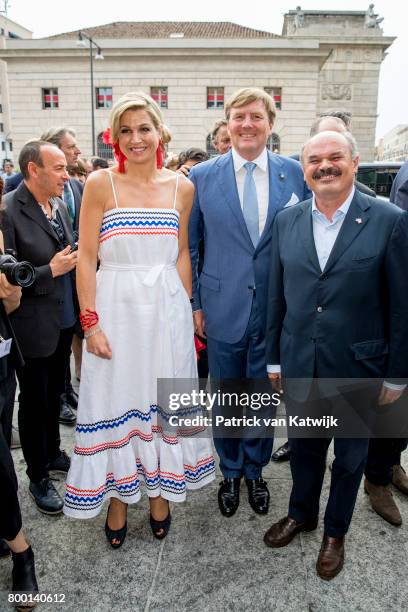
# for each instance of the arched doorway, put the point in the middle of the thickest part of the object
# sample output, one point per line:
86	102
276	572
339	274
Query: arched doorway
274	143
104	150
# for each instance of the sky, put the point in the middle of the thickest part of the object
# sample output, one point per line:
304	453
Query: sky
261	14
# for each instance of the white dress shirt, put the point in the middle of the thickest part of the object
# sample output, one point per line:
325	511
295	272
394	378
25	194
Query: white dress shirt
325	231
261	178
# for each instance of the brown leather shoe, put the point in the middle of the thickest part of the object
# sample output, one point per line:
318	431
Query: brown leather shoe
283	532
400	479
331	557
383	503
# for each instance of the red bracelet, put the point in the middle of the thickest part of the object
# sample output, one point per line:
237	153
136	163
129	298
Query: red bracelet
88	318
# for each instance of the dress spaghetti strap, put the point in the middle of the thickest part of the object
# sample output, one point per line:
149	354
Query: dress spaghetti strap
113	188
175	191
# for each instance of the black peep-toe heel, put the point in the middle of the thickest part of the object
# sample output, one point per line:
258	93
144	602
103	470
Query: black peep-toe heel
160	528
115	534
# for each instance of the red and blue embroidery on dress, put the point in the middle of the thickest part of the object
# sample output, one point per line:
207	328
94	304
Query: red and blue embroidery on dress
122	222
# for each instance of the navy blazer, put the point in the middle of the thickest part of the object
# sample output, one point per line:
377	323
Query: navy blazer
77	189
399	189
232	267
351	320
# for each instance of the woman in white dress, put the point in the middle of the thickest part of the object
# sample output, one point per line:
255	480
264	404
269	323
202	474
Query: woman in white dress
136	314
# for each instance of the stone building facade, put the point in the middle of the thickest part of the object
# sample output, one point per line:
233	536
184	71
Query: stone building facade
9	30
322	59
394	145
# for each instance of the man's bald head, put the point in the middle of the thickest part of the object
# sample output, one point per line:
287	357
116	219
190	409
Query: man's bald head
324	124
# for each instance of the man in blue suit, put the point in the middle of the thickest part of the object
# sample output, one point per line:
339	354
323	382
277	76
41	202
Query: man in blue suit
337	309
237	196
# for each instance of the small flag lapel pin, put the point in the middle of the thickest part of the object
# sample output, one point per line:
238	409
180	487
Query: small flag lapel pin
359	220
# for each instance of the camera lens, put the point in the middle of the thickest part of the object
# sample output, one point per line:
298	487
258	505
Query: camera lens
24	274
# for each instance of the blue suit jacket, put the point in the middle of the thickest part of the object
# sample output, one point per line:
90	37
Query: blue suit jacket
232	266
361	327
399	189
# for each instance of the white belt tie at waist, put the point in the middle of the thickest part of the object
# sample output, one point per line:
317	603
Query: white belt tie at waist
153	273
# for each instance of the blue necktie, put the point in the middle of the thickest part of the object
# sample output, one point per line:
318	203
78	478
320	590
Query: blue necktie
69	201
250	204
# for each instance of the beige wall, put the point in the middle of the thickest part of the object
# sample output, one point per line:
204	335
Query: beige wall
187	116
307	71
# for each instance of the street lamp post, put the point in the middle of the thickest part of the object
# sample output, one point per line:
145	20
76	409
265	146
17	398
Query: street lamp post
81	43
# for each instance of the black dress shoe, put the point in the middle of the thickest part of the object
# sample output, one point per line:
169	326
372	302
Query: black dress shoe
282	453
4	548
258	495
46	496
228	496
67	416
71	397
23	575
61	464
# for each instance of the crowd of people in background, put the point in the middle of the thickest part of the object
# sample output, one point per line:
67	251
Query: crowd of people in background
251	239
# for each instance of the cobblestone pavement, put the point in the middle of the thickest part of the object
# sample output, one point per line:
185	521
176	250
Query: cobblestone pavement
210	563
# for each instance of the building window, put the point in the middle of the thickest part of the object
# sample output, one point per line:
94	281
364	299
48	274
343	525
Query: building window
274	143
10	145
1	127
276	94
215	97
3	146
50	98
104	150
160	95
1	108
103	97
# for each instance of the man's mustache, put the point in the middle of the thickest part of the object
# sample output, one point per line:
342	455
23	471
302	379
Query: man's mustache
328	172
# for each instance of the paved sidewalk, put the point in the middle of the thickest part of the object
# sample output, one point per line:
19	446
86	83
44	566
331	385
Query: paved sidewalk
210	563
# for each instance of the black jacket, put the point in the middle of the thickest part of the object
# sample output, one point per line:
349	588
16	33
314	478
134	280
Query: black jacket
27	231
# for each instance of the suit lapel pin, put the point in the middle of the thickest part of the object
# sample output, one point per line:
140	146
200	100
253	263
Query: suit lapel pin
359	220
282	176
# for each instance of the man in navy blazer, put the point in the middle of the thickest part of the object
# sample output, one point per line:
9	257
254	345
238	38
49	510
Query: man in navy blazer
237	196
399	189
337	309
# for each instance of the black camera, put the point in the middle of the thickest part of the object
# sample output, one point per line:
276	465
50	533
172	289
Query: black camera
19	273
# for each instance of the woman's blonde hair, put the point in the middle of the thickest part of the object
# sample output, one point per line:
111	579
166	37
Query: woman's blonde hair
251	94
137	100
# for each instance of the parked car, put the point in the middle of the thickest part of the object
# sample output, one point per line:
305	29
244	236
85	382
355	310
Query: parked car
379	176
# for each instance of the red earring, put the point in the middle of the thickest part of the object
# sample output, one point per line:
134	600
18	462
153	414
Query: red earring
160	155
119	156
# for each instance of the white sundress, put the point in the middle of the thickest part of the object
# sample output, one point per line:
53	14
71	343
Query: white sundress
145	313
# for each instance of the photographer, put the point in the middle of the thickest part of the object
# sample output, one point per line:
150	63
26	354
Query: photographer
11	534
37	228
